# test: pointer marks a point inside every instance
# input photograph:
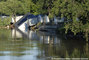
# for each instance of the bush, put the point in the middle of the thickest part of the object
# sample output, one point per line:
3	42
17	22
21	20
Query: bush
5	21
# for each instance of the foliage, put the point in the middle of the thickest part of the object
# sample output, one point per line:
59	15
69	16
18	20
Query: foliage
76	12
5	21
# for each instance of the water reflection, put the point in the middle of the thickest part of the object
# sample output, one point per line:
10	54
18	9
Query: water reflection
15	34
43	37
33	45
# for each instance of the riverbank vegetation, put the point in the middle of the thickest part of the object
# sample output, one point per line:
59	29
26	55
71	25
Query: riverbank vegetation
5	21
76	12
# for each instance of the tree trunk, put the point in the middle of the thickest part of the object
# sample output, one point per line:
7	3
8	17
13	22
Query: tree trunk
86	35
14	17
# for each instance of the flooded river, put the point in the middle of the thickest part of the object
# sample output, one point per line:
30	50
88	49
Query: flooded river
32	45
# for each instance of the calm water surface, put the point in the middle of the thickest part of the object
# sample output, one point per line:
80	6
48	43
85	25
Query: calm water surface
32	45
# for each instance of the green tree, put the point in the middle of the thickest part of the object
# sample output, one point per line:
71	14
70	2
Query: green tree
29	6
11	7
75	10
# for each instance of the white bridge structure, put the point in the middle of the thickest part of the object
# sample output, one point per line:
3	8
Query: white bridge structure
32	20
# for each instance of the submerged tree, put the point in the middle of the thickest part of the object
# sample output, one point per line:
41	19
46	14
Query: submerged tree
76	13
